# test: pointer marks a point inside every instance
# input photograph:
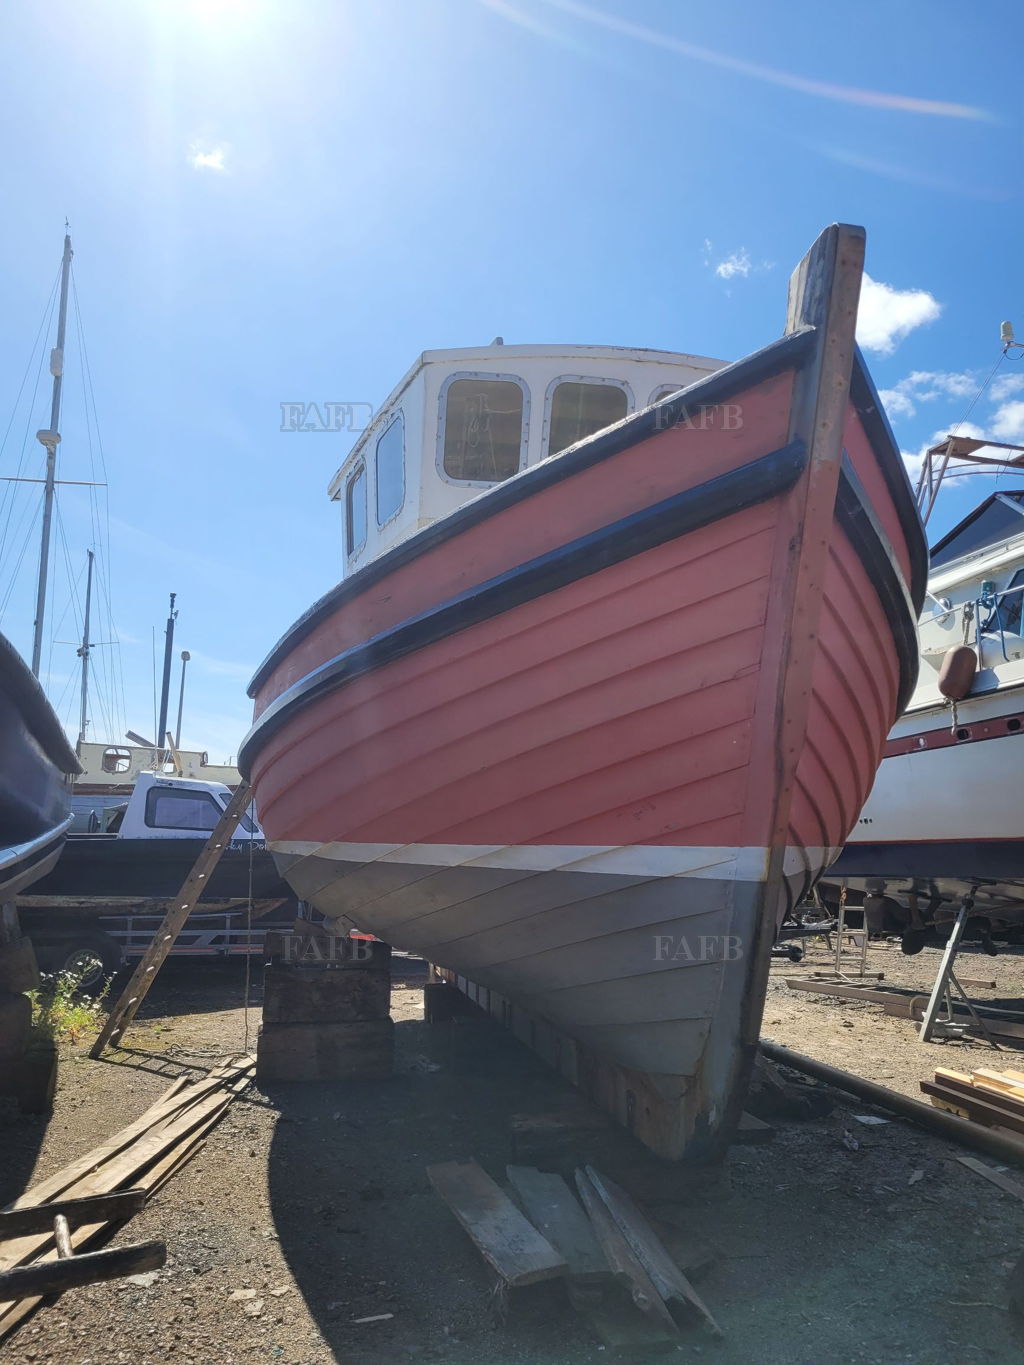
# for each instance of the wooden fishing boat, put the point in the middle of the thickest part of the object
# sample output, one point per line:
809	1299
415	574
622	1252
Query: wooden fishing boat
581	736
36	767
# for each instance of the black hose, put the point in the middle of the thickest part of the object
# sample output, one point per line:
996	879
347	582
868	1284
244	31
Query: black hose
947	1125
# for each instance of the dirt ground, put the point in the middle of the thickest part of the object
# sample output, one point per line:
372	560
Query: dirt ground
316	1197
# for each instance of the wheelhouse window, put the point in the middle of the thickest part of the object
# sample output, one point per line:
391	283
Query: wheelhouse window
390	471
167	808
355	510
663	391
116	760
484	420
578	409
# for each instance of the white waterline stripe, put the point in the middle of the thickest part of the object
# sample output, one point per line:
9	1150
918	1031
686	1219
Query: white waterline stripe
738	863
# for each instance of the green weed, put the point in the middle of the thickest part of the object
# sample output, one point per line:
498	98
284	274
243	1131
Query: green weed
61	1010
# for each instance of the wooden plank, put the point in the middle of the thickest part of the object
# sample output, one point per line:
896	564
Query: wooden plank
53	1277
507	1240
978	1110
120	1168
999	1080
624	1262
152	1180
152	960
39	1217
649	1250
174	1102
556	1213
1005	1182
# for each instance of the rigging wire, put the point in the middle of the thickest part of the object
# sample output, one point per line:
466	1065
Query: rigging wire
44	325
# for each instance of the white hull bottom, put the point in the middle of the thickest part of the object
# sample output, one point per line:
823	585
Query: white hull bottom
653	969
943	814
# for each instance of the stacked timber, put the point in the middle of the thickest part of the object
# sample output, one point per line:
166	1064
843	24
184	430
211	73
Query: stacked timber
617	1272
326	1009
38	1253
992	1098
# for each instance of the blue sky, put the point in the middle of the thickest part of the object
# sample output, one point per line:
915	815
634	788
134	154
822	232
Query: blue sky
288	201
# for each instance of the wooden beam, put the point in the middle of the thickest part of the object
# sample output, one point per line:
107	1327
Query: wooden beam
506	1240
557	1214
142	978
624	1262
643	1241
68	1272
98	1207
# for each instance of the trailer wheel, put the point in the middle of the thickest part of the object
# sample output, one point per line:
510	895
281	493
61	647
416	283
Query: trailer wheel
90	956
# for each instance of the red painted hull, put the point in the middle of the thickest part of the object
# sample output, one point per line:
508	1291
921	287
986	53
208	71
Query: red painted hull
674	740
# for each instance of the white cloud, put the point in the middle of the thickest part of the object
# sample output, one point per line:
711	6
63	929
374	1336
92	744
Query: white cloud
736	264
1008	422
887	315
922	386
1004	386
207	158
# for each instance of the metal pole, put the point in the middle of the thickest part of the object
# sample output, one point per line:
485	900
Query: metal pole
989	1140
185	656
161	728
50	440
83	653
946	968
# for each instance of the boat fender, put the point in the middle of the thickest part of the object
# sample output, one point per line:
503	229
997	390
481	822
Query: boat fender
956	676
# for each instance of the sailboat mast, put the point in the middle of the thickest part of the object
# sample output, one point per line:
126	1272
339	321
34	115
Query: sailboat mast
83	653
50	439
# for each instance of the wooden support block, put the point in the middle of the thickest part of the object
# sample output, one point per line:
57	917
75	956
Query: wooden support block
32	1078
325	1052
556	1213
303	995
53	1277
19	970
15	1022
505	1238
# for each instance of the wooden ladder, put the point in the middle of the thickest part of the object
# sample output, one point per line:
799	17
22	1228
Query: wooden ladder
173	922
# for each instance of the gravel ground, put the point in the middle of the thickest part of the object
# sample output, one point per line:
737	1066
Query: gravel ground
315	1197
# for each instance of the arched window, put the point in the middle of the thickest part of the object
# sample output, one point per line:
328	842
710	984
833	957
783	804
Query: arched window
390	470
483	427
579	407
355	510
